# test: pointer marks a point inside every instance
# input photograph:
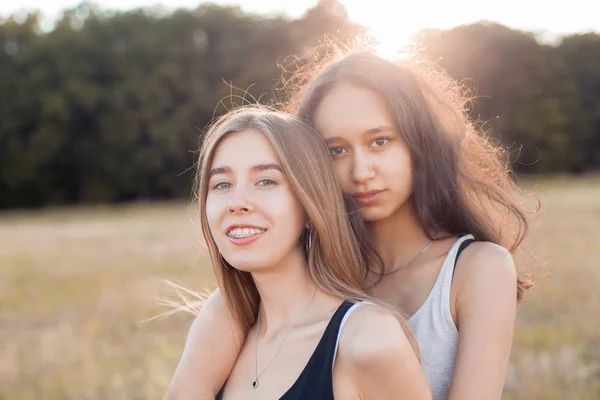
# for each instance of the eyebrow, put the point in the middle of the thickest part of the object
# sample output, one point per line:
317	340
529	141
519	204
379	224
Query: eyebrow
367	132
265	167
258	167
218	170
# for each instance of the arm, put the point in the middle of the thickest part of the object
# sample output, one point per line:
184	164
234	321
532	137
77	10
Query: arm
486	306
211	349
377	359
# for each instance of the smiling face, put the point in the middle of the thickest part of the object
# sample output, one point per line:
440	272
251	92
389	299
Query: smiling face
371	160
253	215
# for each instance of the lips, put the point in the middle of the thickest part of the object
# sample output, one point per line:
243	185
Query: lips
244	234
367	198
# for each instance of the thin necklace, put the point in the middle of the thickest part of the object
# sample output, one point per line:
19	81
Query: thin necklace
408	264
258	375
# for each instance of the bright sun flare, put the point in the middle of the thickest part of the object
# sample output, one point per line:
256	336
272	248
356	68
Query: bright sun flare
391	41
389	22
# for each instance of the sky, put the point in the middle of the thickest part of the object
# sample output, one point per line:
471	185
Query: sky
389	20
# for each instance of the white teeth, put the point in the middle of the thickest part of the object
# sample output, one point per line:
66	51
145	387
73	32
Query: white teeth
244	232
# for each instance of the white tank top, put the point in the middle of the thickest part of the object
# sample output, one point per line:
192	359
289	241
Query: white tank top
436	333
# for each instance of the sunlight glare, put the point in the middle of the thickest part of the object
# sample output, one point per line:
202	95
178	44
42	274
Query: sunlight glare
389	24
391	44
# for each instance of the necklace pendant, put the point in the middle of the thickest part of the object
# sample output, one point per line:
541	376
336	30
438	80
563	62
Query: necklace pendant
255	384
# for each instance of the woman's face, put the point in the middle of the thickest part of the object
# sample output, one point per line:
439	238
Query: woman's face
254	218
371	160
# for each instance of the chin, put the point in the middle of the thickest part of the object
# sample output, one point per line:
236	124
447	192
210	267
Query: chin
374	214
247	264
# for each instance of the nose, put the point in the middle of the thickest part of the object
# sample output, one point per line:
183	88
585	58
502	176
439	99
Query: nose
238	201
362	168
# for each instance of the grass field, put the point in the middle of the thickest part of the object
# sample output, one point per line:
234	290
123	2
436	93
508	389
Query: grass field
77	284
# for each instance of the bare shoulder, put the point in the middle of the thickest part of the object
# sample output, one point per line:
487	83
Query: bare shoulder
485	272
376	358
214	315
213	306
212	346
485	260
216	301
372	334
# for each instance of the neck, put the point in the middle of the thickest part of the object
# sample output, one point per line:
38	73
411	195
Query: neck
284	293
399	237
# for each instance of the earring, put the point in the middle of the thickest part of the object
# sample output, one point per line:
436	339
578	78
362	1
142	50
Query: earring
309	241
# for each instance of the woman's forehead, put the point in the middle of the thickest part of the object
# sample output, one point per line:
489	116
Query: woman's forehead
349	108
244	148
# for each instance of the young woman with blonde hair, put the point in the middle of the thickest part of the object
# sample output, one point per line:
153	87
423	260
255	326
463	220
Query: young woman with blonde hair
288	260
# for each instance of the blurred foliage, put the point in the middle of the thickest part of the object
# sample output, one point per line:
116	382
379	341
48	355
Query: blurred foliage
109	106
540	101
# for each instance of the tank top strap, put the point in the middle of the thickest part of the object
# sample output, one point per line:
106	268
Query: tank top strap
344	320
463	245
447	272
316	380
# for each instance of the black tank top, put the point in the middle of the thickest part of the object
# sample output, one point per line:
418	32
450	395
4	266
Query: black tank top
316	379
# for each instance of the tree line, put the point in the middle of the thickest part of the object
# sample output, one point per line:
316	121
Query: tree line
109	106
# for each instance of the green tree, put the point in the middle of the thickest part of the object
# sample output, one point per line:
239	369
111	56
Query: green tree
517	93
579	56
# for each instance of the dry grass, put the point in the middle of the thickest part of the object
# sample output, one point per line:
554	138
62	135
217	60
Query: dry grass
77	284
556	353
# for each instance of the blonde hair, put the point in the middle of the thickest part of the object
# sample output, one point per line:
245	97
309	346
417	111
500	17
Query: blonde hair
339	255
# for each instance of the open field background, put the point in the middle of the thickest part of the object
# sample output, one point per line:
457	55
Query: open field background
76	285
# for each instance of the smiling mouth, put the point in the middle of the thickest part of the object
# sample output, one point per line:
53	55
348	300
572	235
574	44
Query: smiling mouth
243	233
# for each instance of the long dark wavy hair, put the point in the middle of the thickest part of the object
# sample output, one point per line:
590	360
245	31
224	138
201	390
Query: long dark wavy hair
462	179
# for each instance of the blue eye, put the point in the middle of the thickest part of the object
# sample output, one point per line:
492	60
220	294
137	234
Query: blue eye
379	142
266	182
336	151
222	186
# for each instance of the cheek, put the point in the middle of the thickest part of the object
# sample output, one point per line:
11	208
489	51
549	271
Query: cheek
292	214
342	169
397	166
214	214
398	156
400	164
